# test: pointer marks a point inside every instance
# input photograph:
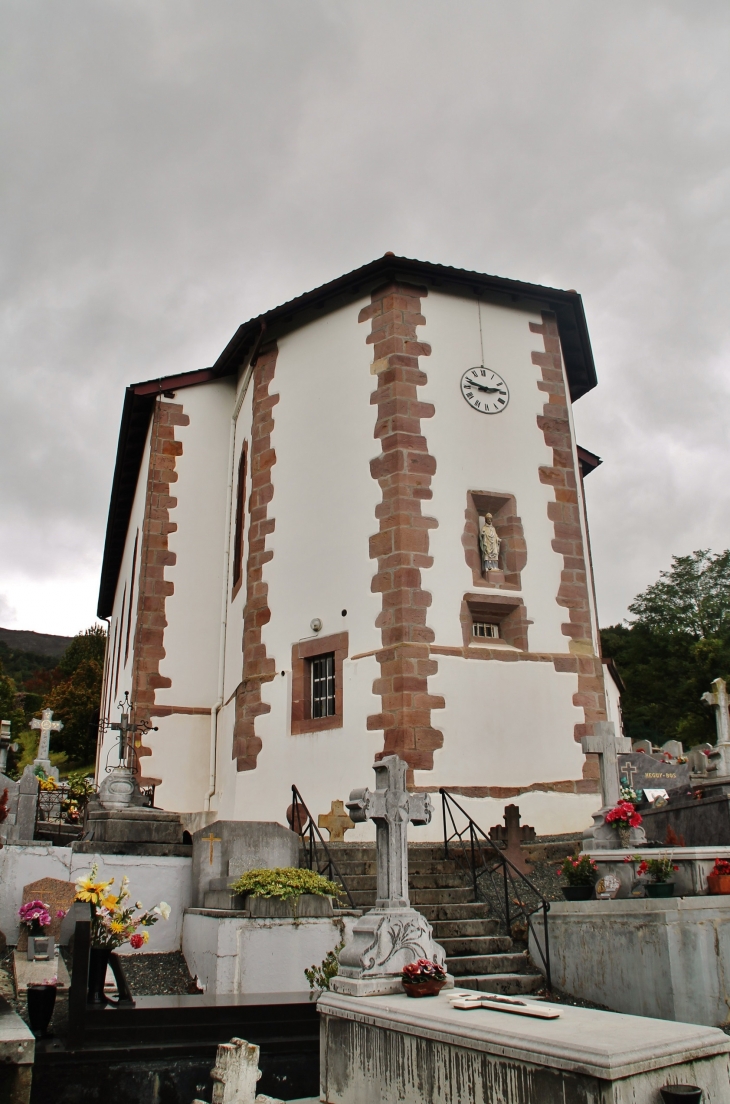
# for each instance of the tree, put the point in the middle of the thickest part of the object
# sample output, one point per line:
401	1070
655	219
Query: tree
678	642
692	597
75	700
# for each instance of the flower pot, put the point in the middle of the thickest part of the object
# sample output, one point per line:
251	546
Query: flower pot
660	889
624	835
577	892
718	883
428	988
681	1094
98	962
41	999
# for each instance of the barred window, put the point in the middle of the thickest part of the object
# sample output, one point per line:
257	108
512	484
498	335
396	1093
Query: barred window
484	629
323	685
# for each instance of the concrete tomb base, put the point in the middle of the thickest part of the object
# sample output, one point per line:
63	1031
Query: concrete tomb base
134	825
396	1050
233	952
690	880
665	958
17	1053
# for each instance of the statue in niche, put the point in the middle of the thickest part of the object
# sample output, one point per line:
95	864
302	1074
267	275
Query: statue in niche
489	544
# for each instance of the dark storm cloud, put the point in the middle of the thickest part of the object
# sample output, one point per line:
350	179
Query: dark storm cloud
172	168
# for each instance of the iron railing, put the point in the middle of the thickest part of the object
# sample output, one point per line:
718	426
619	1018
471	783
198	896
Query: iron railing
494	878
60	813
317	855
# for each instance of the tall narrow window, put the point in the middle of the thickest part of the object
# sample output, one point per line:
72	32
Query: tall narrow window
240	521
323	685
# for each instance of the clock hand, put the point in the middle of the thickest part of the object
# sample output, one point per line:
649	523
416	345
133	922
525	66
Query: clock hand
481	387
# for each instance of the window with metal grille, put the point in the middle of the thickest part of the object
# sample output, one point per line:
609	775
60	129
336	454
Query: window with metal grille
323	685
485	629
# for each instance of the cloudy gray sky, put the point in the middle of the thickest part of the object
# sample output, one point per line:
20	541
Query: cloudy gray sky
173	167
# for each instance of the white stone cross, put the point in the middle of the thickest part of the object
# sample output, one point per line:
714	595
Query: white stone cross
47	725
608	746
392	808
718	759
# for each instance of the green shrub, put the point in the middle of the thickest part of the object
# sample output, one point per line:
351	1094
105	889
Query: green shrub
284	882
319	977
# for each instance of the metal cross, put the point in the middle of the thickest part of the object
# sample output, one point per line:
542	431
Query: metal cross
392	808
46	725
211	839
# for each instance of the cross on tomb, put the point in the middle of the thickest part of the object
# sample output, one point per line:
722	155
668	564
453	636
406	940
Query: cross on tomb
211	839
513	835
607	745
336	822
392	808
630	769
719	700
46	725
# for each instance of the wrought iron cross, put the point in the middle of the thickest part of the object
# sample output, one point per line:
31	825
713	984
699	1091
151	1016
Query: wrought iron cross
392	808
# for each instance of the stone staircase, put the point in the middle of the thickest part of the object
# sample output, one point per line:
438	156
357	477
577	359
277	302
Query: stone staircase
478	956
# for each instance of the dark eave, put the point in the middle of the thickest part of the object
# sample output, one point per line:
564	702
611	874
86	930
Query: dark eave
588	461
140	397
567	306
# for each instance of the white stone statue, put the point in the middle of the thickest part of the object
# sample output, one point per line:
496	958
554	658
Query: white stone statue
489	543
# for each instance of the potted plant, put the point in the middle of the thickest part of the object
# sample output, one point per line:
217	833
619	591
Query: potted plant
718	880
659	871
41	1002
288	885
581	874
113	922
423	978
625	817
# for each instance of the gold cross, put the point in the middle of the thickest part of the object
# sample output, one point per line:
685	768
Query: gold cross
336	822
211	839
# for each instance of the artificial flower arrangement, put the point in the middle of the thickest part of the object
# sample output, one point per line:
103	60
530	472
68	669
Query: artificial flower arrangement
624	813
423	978
37	915
721	868
579	872
718	880
630	795
113	921
659	870
285	883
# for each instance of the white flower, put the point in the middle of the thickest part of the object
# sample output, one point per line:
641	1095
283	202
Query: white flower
163	910
138	904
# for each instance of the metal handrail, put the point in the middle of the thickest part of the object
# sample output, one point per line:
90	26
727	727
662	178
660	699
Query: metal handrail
303	823
474	852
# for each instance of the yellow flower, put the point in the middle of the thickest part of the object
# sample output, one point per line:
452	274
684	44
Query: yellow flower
117	927
109	901
89	890
146	936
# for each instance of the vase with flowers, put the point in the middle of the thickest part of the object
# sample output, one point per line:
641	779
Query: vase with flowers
581	874
718	880
423	978
625	817
659	871
36	916
114	921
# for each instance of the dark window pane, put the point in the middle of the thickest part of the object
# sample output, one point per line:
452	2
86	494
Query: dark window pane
323	686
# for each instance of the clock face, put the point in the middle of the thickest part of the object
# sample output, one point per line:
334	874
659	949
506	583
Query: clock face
484	390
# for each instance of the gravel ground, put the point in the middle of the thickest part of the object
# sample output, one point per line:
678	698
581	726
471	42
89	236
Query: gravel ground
152	975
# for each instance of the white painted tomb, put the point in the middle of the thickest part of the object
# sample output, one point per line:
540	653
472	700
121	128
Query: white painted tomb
397	1050
667	958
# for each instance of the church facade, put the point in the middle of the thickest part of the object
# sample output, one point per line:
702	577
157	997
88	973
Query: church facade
363	532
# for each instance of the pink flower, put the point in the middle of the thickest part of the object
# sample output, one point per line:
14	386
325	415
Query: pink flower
136	941
61	913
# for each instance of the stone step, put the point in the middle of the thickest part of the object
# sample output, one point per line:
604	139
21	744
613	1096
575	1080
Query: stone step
455	896
473	910
463	929
448	880
489	964
476	946
511	985
354	867
357	852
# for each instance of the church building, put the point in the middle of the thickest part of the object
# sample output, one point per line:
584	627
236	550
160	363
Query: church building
362	531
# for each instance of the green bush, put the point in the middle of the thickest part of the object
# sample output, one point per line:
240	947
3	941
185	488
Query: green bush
284	882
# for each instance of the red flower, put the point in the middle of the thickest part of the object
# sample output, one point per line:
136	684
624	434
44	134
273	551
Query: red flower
136	941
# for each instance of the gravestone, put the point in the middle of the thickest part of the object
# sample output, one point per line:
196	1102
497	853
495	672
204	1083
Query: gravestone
336	822
235	1074
19	826
644	772
392	934
12	787
643	745
225	849
57	895
5	740
608	746
46	725
513	835
697	758
673	748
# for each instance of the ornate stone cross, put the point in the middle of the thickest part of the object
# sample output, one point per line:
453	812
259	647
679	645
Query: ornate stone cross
46	725
608	746
392	808
392	934
336	822
718	760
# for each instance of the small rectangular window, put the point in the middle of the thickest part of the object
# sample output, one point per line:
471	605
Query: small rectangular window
485	629
323	685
